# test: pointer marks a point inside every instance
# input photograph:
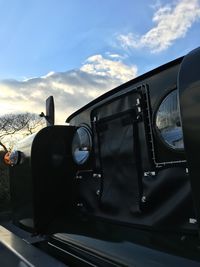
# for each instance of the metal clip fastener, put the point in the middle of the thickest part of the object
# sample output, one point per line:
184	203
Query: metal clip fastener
96	175
137	101
138	105
79	205
192	220
149	174
79	177
143	199
98	192
139	117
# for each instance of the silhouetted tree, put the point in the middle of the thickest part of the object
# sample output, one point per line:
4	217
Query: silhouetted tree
15	126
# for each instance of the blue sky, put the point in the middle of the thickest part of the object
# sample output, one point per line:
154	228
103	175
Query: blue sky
39	36
77	50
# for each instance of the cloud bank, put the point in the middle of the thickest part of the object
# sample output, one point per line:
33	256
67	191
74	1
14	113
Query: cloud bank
171	21
71	89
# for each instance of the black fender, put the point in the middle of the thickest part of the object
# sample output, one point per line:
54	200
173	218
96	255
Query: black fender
189	100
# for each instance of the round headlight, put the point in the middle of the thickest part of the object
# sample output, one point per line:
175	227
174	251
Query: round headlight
81	145
168	121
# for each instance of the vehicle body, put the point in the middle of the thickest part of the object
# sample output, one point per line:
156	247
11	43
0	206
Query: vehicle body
118	185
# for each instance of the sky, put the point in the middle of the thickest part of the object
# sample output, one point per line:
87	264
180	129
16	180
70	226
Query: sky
77	50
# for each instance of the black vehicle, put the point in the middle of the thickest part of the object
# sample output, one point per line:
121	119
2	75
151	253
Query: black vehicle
118	185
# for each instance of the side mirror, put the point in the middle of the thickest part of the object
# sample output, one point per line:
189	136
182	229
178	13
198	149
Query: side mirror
50	111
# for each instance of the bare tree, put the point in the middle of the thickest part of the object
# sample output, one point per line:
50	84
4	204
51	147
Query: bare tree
13	127
16	126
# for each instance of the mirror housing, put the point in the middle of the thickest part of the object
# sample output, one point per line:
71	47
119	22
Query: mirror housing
50	111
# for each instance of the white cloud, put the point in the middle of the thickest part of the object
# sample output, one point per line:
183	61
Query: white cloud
115	56
71	89
101	66
172	22
49	74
